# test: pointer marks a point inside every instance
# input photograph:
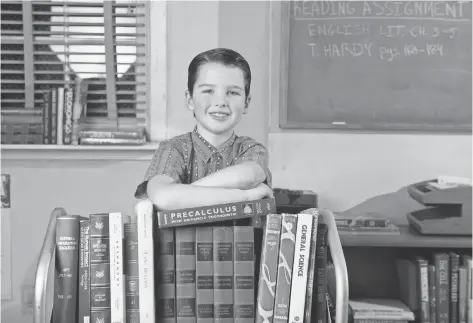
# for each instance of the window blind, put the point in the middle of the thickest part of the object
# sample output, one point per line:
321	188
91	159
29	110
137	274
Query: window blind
51	43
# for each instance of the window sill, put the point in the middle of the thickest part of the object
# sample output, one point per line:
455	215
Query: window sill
69	152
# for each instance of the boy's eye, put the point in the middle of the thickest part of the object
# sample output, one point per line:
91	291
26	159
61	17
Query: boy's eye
234	93
208	91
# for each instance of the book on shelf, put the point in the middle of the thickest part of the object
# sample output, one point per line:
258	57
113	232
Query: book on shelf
58	118
216	213
441	286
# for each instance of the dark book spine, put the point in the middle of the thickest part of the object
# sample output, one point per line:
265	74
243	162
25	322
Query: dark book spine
131	269
49	107
99	269
454	267
312	270
46	117
432	293
167	275
331	291
285	265
423	288
462	294
84	279
54	107
223	274
268	268
216	213
442	268
67	116
67	265
204	274
185	275
244	273
321	274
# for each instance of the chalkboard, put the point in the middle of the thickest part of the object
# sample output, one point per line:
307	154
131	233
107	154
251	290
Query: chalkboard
376	65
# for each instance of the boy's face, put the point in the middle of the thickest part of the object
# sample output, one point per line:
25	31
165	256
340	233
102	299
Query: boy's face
218	101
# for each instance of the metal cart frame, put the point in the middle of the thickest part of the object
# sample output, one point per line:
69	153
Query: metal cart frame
45	262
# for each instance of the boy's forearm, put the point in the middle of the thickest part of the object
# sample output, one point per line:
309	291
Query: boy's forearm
180	196
242	176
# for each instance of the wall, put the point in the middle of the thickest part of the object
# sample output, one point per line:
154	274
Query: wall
344	169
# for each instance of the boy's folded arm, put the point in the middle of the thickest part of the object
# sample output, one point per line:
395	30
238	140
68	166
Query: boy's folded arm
243	176
166	194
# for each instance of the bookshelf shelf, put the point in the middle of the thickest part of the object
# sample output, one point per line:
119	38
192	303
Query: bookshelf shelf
409	238
69	152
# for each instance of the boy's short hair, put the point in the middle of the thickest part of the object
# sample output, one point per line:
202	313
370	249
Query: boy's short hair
223	56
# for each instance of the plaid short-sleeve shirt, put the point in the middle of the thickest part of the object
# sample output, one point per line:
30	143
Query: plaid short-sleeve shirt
189	157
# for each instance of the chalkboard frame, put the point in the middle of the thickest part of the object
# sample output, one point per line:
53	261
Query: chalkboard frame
280	29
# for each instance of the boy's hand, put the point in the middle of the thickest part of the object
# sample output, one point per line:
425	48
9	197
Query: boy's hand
259	192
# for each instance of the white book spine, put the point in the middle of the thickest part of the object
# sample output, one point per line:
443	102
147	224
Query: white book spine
117	278
144	219
300	268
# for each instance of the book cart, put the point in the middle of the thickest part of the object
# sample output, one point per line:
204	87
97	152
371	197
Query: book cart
44	277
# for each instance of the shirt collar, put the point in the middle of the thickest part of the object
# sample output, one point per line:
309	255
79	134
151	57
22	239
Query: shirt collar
207	148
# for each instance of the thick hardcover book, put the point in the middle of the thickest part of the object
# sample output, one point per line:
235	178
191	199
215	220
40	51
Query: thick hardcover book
269	268
432	293
117	276
144	219
223	274
166	276
423	305
300	268
216	213
99	268
285	265
204	274
320	283
244	273
454	267
131	270
185	275
84	279
442	268
67	265
309	297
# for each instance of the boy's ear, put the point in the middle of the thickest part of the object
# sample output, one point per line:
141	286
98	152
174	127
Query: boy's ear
247	104
189	101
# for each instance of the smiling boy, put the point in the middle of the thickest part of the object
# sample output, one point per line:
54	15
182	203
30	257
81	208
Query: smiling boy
211	164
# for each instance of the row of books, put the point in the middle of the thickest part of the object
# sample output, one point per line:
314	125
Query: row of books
115	268
438	287
56	120
293	267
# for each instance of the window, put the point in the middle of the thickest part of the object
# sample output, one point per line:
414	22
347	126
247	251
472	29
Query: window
48	44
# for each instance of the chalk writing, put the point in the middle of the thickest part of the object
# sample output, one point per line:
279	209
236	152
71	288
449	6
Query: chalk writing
387	30
376	9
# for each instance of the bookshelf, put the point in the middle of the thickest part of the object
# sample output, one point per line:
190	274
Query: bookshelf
72	152
371	260
409	238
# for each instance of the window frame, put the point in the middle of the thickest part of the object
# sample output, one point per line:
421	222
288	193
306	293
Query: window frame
156	41
156	76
